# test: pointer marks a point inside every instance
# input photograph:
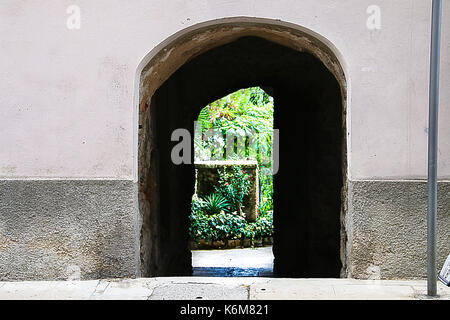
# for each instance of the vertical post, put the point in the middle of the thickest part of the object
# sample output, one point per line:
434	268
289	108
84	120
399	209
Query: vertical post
433	147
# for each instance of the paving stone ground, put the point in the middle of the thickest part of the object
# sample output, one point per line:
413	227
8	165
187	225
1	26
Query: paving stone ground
223	275
217	288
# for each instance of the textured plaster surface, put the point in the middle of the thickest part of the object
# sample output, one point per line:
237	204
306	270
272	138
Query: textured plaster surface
387	229
90	229
74	93
68	230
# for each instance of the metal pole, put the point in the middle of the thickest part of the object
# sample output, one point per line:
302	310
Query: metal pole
433	147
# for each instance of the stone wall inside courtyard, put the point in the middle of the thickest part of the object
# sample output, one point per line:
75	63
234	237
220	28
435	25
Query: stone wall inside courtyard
207	177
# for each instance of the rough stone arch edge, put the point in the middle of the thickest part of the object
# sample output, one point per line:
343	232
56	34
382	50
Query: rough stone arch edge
164	59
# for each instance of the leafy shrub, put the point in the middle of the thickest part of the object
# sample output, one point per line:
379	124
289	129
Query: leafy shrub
266	201
237	224
265	224
261	228
224	226
196	205
199	227
220	226
234	187
214	204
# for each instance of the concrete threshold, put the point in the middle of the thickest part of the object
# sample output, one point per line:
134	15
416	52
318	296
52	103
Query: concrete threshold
215	288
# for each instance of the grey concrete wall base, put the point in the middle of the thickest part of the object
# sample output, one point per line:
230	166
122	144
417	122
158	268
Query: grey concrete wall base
386	228
60	229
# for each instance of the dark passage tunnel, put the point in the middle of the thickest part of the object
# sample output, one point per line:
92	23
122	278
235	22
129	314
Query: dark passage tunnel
307	187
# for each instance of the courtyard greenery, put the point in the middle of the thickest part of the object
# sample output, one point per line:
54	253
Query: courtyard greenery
247	114
234	186
228	226
213	204
266	199
220	215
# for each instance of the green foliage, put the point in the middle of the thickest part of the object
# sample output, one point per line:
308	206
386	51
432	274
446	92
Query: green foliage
234	186
216	227
224	226
235	226
265	223
266	200
213	204
204	119
246	112
261	228
196	205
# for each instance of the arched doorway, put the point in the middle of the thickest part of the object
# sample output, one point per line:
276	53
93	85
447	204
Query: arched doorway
309	92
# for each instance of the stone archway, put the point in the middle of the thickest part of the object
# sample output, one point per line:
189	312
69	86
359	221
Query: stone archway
203	64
